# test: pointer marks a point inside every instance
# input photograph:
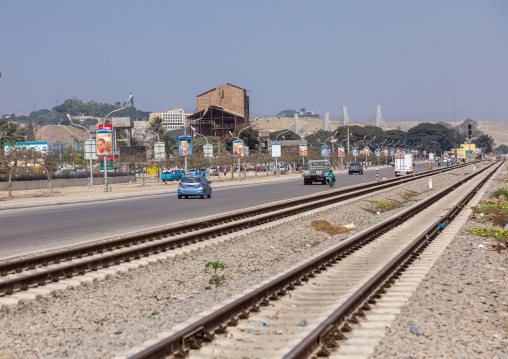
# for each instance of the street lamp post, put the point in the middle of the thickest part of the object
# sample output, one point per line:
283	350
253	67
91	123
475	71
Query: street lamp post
199	134
158	141
90	154
131	97
185	132
276	158
239	168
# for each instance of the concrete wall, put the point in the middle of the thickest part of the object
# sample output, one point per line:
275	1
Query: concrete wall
61	183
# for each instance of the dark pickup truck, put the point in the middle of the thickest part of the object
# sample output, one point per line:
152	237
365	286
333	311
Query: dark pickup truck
355	167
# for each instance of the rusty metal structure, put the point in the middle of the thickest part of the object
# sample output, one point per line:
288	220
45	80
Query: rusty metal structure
220	110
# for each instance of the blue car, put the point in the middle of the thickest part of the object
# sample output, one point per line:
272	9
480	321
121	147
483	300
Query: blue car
194	186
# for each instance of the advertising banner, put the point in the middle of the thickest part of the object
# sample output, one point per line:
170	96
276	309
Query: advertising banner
325	151
341	151
238	149
276	149
377	151
41	147
366	151
184	146
303	150
425	153
355	151
385	152
104	142
392	152
431	156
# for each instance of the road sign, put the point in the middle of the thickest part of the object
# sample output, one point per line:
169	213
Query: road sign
400	156
445	154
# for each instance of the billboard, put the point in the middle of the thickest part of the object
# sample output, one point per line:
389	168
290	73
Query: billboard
341	151
355	151
238	146
90	149
104	142
276	149
385	152
377	151
392	152
122	122
303	150
208	150
325	151
184	146
159	150
41	147
366	151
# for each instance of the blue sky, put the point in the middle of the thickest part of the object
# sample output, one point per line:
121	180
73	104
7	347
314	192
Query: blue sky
411	57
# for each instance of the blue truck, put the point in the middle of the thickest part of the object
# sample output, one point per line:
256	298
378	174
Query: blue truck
174	174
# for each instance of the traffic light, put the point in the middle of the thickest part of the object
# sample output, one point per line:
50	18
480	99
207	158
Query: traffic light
470	130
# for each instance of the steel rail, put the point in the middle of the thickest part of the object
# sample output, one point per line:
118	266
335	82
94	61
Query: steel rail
221	226
192	336
17	266
325	335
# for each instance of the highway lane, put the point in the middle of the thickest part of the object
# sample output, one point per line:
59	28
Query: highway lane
37	229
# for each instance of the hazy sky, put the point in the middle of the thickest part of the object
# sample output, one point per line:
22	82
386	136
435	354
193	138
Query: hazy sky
411	57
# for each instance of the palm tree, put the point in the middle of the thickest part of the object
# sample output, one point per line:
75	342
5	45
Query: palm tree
157	125
485	141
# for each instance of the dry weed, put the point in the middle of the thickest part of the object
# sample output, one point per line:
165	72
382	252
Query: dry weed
327	227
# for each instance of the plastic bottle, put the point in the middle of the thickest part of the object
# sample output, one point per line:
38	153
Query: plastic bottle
263	324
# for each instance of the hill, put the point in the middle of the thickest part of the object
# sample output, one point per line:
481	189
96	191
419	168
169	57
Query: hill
497	130
54	133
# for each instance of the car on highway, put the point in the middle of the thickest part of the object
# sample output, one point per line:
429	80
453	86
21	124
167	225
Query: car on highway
355	167
192	185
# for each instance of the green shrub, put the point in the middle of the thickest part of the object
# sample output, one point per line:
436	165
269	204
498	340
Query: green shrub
499	192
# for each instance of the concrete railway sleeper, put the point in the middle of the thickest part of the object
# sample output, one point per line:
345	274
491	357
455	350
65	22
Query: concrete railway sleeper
17	266
357	275
93	257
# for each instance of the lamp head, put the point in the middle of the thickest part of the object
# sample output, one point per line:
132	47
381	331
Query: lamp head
131	97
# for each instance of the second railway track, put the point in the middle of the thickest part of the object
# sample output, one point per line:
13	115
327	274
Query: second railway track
329	291
20	275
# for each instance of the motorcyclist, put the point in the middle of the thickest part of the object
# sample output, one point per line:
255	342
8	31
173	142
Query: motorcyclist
331	177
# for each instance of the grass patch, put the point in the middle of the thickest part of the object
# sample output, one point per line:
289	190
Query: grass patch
327	227
495	211
497	234
499	192
382	206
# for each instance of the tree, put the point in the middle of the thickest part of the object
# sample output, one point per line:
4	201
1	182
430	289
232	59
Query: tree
10	161
250	136
30	135
462	128
51	159
157	125
486	142
503	149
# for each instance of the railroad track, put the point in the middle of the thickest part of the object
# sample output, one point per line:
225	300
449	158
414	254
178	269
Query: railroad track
21	275
329	292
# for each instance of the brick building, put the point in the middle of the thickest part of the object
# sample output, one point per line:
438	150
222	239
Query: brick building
220	110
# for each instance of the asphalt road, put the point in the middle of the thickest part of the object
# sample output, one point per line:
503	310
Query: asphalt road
32	230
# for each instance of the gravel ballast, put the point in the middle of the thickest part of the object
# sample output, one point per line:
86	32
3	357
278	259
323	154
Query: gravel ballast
460	310
106	318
